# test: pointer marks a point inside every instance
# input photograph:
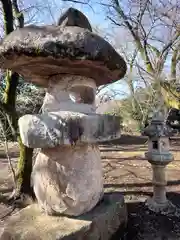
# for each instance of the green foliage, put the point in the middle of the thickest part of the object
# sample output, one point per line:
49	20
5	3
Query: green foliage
115	112
139	107
29	97
28	100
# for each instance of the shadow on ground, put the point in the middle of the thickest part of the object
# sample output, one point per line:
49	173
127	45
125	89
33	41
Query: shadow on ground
126	140
144	224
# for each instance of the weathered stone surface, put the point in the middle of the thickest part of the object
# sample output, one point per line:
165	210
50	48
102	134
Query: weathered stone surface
58	98
99	224
159	158
68	180
39	52
55	128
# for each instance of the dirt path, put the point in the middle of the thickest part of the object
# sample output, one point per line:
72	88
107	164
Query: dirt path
126	171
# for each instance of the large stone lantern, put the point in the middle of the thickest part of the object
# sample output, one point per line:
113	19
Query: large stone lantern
70	61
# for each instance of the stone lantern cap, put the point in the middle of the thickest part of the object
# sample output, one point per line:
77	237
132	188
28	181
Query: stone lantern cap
157	128
39	52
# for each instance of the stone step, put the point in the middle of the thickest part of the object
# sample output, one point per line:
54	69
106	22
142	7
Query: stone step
101	223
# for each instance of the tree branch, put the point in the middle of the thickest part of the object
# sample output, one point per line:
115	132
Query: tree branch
7	15
137	40
165	51
77	1
169	45
18	14
142	11
174	61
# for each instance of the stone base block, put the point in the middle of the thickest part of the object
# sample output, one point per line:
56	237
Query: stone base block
167	208
101	223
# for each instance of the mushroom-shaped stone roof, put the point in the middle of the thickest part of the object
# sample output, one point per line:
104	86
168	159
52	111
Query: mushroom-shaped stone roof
39	52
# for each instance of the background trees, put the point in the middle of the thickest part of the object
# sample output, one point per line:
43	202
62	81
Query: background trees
148	34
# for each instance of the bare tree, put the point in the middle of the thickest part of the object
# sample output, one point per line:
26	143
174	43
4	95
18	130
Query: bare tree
148	23
154	31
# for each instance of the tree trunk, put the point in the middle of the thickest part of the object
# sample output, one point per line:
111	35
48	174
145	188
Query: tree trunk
24	170
24	167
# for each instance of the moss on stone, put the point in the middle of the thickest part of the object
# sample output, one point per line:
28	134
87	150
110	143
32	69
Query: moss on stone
24	168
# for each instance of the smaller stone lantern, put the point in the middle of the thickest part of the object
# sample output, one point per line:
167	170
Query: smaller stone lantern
158	156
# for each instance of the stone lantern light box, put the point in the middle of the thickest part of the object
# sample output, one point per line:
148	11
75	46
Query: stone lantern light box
70	61
158	143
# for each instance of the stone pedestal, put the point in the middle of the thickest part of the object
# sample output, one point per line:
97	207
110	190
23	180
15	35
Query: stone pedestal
101	223
159	184
159	201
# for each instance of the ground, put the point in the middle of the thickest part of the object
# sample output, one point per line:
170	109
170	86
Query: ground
126	171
